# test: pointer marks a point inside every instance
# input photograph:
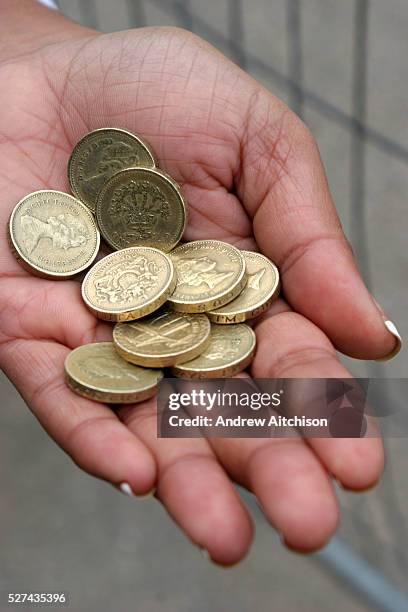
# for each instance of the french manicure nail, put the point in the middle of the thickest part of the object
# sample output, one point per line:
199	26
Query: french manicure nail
391	327
398	341
126	489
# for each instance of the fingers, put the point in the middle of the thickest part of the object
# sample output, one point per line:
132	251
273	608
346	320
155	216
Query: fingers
290	484
283	186
195	489
289	346
88	431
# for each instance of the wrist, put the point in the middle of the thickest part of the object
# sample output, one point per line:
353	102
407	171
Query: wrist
27	25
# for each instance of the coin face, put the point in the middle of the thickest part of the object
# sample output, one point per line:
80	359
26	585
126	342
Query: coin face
128	284
162	339
210	273
261	289
53	235
97	372
141	207
99	155
230	351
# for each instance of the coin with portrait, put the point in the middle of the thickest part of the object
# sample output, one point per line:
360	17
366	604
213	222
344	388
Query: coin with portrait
129	284
53	235
261	289
97	372
162	339
99	155
230	350
210	273
141	207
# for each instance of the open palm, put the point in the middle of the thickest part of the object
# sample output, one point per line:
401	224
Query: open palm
252	176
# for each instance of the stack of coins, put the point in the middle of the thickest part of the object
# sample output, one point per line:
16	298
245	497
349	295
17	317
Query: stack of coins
181	307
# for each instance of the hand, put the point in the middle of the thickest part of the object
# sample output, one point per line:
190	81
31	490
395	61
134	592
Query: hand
252	175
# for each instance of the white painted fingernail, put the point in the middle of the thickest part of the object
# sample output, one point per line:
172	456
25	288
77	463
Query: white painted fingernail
398	344
394	331
126	489
391	327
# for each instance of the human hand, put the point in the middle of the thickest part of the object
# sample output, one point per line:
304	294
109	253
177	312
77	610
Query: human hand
252	176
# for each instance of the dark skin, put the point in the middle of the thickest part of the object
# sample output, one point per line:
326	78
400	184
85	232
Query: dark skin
252	175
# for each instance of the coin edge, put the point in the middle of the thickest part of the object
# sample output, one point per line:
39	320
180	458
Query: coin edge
260	307
108	397
164	361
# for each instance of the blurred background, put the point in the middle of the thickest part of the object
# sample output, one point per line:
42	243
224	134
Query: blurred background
342	66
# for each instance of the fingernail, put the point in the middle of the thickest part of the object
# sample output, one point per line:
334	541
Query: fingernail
391	327
398	341
126	489
148	494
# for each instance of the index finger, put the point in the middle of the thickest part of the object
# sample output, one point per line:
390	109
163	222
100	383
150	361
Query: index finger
283	185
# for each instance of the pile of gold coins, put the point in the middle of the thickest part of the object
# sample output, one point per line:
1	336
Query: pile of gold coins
176	306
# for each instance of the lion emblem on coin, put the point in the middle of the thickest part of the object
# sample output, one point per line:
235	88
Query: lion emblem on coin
125	282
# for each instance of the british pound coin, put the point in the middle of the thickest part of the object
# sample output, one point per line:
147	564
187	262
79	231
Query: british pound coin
97	372
141	207
129	284
53	235
210	273
163	339
99	155
261	290
231	350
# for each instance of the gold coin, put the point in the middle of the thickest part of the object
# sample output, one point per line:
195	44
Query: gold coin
99	155
210	273
53	235
141	207
97	372
230	351
261	289
129	284
162	339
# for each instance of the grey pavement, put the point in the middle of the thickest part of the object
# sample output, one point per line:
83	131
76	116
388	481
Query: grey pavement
63	530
